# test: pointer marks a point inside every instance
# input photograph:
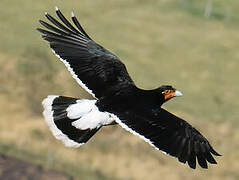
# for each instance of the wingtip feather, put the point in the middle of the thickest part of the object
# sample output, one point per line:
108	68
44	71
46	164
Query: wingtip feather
213	151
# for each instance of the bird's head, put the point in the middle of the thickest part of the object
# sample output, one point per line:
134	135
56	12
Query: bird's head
167	92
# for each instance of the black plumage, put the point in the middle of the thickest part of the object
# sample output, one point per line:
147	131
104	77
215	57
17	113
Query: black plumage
100	70
139	111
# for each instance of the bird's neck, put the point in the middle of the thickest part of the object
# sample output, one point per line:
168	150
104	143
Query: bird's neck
152	96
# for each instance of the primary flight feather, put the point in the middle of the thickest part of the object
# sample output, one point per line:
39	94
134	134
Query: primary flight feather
117	99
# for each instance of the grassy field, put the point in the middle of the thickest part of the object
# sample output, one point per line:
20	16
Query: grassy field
177	42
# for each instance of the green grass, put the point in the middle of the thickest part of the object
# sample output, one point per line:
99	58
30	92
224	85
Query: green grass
161	42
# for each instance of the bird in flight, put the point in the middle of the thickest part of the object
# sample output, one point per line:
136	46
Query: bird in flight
117	100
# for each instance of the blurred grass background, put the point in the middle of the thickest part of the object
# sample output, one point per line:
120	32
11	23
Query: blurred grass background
190	44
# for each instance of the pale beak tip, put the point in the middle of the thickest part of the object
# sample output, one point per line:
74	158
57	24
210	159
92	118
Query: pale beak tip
178	93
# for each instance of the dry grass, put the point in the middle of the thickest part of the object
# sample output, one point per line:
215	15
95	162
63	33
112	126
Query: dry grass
171	40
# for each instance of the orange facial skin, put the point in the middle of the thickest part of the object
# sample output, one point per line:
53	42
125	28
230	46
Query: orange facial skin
168	94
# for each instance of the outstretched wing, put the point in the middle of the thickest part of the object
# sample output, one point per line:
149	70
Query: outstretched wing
97	70
171	135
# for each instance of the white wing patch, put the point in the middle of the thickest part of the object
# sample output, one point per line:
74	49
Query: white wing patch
48	115
92	120
74	75
88	115
80	108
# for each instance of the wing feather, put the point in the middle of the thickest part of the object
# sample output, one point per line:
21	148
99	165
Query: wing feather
170	134
96	69
66	22
78	25
59	25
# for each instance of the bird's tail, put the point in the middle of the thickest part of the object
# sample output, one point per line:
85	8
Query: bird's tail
73	121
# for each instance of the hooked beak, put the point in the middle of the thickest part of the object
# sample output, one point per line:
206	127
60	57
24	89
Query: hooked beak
177	93
171	94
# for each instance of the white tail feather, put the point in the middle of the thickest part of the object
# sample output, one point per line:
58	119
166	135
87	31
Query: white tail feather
68	117
48	115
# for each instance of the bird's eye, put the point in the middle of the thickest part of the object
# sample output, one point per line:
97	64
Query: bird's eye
166	92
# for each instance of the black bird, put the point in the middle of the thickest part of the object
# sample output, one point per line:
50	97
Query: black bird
117	99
